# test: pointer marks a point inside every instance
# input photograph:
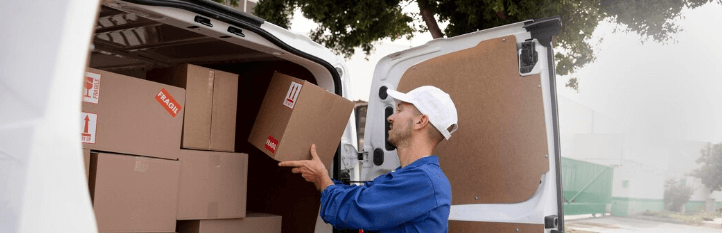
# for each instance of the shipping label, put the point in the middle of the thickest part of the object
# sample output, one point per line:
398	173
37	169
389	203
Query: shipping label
292	95
91	87
271	144
88	123
167	101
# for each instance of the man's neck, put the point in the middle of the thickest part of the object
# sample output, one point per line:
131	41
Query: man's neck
413	151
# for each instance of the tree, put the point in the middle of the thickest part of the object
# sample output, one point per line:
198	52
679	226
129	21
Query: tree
347	25
711	171
676	194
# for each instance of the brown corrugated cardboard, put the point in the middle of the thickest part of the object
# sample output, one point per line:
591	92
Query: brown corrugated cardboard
86	159
253	223
133	193
295	114
132	116
501	119
212	185
210	109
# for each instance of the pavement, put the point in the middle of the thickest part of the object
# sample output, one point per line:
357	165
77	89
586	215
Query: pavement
613	224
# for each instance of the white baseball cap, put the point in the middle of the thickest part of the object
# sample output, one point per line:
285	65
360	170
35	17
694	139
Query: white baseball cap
434	103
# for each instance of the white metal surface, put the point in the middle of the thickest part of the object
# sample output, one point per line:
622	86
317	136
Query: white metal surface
42	176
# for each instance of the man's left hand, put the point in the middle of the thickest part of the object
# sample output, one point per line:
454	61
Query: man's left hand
312	170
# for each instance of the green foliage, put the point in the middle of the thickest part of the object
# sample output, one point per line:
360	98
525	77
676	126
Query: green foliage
711	171
676	194
346	25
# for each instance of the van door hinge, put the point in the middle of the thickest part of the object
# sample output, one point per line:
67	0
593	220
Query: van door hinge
527	57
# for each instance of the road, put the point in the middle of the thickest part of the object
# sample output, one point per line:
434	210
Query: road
612	224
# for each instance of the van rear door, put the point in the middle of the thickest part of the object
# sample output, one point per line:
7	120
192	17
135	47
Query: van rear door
503	162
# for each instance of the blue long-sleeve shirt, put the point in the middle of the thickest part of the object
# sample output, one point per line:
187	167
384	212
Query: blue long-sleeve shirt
415	198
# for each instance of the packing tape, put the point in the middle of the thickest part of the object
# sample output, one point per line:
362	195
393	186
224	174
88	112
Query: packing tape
214	160
212	210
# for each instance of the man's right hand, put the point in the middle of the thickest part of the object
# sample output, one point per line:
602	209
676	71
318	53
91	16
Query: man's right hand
312	170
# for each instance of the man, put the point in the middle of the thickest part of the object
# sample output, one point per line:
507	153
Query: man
416	197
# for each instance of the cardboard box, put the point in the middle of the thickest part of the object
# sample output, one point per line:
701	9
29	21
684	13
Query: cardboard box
295	114
86	159
134	193
210	107
212	185
131	116
253	223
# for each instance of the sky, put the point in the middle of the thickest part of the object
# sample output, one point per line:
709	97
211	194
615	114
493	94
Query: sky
672	91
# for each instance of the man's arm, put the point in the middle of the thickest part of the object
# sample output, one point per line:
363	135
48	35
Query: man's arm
386	204
382	205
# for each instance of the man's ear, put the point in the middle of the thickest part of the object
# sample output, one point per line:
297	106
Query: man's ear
421	122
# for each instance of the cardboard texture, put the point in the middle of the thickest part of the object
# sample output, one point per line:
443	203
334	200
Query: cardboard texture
210	109
133	193
295	114
131	116
253	223
212	185
86	159
498	153
466	226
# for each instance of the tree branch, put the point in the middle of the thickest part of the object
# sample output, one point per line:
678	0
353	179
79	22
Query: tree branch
430	21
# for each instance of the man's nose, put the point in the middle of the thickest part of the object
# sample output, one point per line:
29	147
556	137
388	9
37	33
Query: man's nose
390	118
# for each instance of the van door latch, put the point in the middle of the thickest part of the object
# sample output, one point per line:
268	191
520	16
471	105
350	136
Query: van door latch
527	57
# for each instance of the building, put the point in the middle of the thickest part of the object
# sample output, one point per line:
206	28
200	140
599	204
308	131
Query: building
642	162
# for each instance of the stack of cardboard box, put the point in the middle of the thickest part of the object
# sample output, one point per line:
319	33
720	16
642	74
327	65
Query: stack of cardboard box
160	153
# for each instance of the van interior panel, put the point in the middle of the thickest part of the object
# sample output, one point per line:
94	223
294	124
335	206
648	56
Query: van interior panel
498	155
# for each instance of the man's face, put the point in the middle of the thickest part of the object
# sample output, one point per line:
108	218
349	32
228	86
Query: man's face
401	123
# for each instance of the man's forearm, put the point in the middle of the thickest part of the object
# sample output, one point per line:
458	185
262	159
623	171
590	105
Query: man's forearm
325	183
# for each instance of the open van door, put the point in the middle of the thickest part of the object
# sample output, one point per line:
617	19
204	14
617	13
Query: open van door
503	162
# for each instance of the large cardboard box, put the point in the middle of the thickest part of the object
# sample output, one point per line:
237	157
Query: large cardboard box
131	116
134	193
212	185
253	223
210	107
295	114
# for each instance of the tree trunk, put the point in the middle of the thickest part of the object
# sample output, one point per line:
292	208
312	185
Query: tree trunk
430	21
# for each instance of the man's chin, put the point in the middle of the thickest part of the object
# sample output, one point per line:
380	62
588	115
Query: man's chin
392	142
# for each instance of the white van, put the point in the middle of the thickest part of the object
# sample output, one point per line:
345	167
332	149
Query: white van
503	162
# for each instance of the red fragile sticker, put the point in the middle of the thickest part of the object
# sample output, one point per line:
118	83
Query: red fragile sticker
168	102
271	144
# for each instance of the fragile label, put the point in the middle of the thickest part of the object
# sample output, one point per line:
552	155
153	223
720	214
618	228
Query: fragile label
88	122
292	95
271	144
168	102
91	87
